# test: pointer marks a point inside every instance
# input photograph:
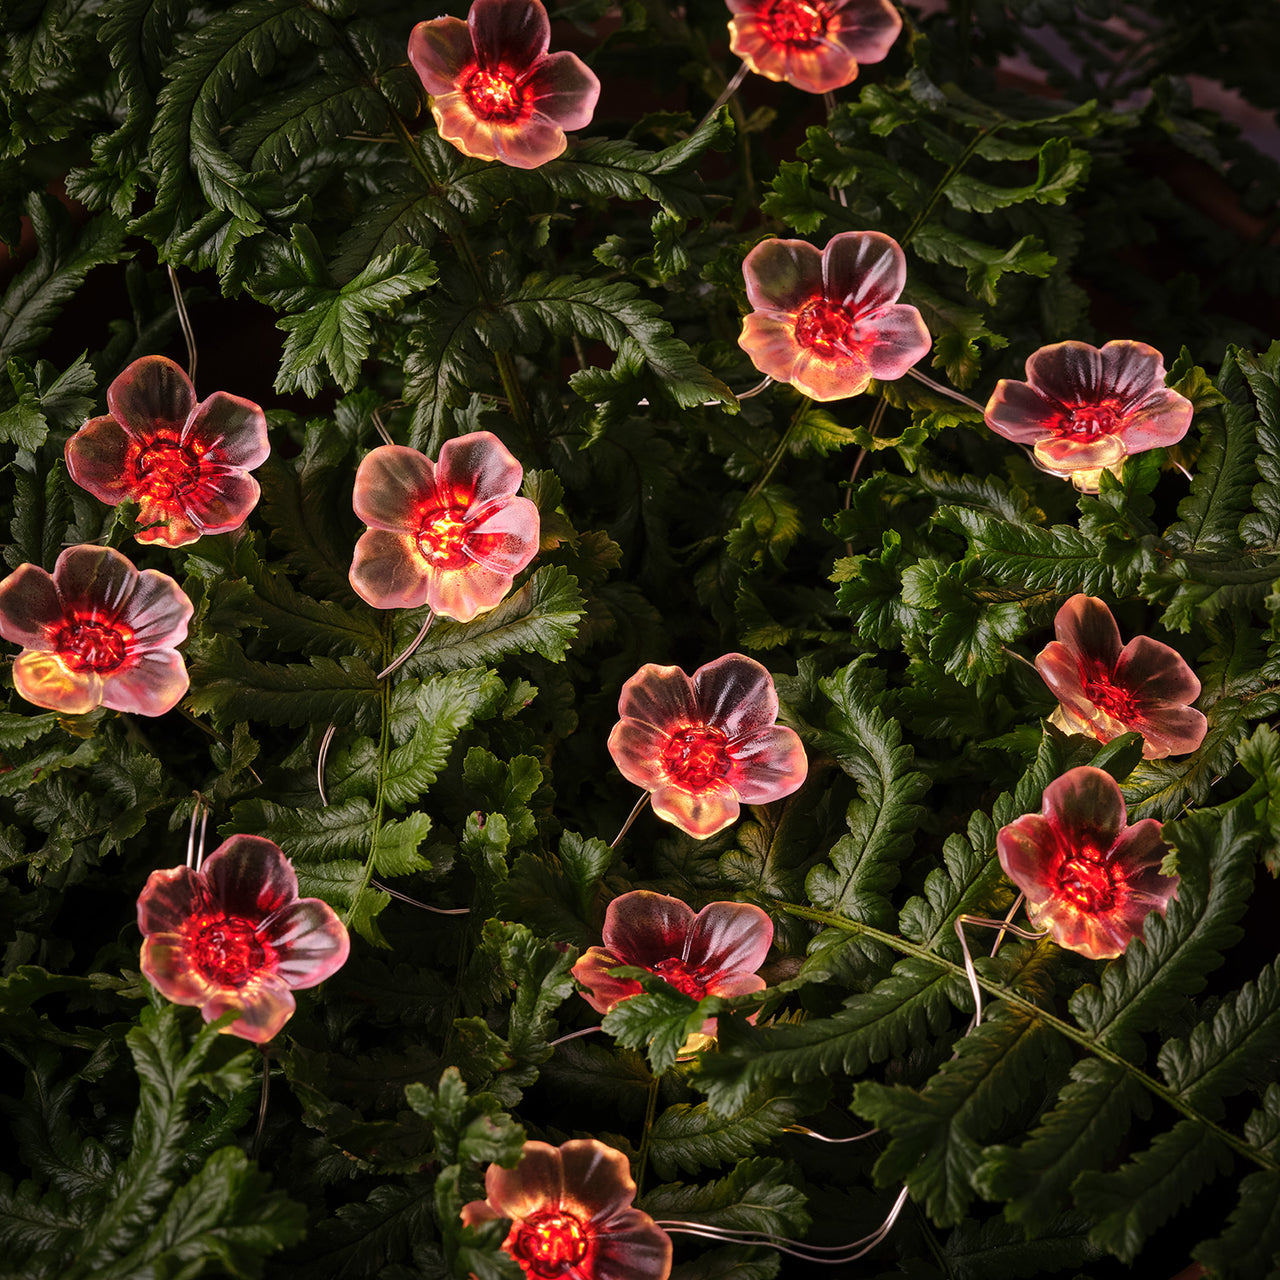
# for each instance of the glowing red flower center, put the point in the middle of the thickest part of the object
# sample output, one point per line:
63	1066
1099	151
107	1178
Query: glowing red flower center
825	327
675	971
1118	703
167	469
1088	421
793	22
696	756
440	538
549	1243
90	645
493	96
1088	882
227	950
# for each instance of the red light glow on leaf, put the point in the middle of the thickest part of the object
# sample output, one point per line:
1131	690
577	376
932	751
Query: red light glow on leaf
1090	879
1104	690
235	936
572	1216
1083	409
815	45
829	321
96	633
705	746
186	464
451	534
713	953
496	93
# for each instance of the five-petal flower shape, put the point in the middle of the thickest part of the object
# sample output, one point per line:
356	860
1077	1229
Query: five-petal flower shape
450	534
815	45
186	464
713	953
1104	690
1090	879
235	936
1083	409
496	93
705	746
96	633
572	1216
828	322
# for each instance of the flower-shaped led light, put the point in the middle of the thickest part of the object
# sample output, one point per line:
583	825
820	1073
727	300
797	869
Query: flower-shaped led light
828	322
707	745
1104	690
96	633
571	1215
815	45
235	936
186	464
1083	409
450	534
496	93
1090	879
713	953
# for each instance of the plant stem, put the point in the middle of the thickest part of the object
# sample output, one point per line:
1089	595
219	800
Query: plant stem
782	447
651	1109
936	194
1034	1011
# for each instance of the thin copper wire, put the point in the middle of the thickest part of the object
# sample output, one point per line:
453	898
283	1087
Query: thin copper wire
195	855
321	757
413	902
972	973
573	1035
184	321
822	1137
400	659
631	817
729	90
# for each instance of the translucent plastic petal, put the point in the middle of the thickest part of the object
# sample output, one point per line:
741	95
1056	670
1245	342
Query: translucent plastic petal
1131	370
643	928
249	876
782	275
95	579
1162	419
1068	372
594	972
863	271
46	681
1086	808
1060	669
169	898
867	28
1170	730
1088	629
636	749
310	941
151	394
462	594
631	1247
458	124
158	611
230	431
474	470
1019	412
564	90
728	937
151	685
166	964
526	145
264	1004
769	339
597	1182
1155	672
504	537
837	377
388	571
897	339
536	1182
735	694
31	613
659	696
699	814
165	523
767	765
440	50
512	34
222	500
393	483
735	983
1030	853
1063	454
96	457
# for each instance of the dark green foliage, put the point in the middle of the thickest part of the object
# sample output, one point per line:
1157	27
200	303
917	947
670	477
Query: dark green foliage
897	564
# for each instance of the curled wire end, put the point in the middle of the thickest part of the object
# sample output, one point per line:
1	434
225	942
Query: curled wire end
321	756
822	1137
1004	927
195	851
401	658
631	817
422	906
763	385
826	1255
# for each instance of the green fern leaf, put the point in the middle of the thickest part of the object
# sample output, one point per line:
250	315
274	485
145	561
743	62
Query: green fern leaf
759	1195
996	1250
1079	1132
938	1132
1127	1206
1249	1247
1261	529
